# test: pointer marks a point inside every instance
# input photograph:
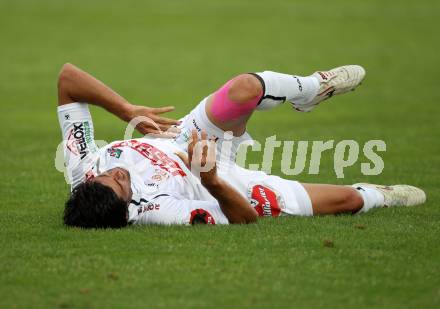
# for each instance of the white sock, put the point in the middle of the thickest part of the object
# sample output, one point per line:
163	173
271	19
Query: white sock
279	87
372	198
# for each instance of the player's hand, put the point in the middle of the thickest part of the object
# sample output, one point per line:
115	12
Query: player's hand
202	157
149	121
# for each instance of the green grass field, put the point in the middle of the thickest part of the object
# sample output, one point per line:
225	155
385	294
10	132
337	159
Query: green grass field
176	52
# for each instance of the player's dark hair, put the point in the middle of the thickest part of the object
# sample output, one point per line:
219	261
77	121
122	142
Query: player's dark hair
94	205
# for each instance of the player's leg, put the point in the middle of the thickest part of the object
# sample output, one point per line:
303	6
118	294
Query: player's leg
334	199
230	107
272	195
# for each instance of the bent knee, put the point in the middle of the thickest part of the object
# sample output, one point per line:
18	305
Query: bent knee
245	87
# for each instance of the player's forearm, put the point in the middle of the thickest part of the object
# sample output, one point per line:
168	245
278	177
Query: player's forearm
235	207
75	85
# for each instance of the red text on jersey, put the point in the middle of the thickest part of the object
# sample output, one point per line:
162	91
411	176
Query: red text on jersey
156	156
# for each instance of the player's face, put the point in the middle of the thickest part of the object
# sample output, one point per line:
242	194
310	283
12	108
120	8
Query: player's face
119	180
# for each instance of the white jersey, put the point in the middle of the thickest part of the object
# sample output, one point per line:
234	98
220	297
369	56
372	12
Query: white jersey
164	190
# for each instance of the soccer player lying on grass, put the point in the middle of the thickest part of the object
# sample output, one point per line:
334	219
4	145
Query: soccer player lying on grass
153	180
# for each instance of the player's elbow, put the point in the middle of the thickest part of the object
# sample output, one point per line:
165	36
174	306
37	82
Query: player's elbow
65	78
65	74
250	216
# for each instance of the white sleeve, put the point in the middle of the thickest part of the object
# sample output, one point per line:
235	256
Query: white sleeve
80	150
168	210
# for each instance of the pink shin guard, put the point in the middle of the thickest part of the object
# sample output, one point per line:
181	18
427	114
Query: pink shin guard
224	109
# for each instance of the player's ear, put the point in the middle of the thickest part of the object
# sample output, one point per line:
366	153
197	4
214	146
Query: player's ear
119	174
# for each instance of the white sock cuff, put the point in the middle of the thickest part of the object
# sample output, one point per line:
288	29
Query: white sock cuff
372	198
279	87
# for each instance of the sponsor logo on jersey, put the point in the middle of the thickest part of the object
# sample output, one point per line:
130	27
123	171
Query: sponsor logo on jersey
159	175
157	178
79	138
265	201
114	152
201	216
150	206
156	156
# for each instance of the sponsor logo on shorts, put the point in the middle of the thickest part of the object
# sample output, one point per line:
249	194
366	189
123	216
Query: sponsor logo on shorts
201	216
265	201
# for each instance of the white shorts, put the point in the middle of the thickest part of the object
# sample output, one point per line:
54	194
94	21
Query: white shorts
227	144
270	195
